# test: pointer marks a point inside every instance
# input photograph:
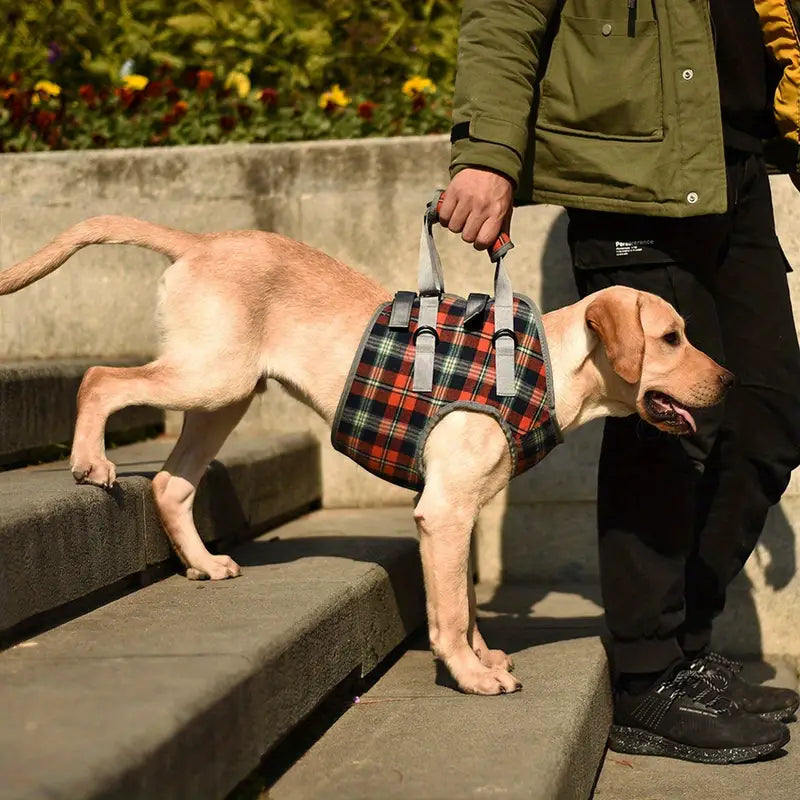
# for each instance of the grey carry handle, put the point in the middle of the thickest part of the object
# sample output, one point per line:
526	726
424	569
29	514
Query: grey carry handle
431	288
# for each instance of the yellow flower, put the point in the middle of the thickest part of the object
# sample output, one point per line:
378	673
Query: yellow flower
335	96
240	82
135	82
48	88
418	85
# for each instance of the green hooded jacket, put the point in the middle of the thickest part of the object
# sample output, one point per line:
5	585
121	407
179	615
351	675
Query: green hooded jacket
610	105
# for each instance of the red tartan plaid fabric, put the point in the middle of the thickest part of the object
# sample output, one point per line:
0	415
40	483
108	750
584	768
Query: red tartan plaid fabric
382	423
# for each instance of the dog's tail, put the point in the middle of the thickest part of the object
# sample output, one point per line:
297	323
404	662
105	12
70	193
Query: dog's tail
96	230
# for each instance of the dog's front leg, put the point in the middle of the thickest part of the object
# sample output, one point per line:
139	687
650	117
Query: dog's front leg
466	463
488	657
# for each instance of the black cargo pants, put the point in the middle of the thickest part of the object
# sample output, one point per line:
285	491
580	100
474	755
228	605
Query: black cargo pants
678	516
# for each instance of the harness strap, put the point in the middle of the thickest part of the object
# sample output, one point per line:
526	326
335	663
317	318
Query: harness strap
402	306
504	338
431	288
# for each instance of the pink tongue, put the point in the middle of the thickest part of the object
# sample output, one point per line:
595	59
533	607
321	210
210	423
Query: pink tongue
682	412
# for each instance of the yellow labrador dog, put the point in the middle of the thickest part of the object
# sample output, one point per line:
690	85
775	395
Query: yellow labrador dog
239	307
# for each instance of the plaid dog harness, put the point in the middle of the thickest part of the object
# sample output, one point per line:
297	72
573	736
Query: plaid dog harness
490	356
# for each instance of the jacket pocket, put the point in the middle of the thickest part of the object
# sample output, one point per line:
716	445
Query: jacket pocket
603	83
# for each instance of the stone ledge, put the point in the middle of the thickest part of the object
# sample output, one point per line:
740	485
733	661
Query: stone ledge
177	690
60	542
412	737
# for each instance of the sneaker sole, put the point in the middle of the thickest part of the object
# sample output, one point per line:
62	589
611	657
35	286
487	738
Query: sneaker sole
782	714
640	742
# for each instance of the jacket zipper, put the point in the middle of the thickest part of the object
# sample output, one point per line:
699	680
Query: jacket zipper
631	18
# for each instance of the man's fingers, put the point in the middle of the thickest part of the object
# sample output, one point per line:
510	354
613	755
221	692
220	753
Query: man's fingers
472	228
448	207
488	233
458	218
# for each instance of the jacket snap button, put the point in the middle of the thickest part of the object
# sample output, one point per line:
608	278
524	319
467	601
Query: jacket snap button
688	74
606	29
692	198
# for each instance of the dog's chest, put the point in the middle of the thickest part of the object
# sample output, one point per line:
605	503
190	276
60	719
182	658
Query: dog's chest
382	423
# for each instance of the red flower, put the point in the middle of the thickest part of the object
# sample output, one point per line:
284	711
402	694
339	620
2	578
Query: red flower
418	102
366	109
227	123
14	78
126	96
269	97
204	79
87	93
44	119
154	89
245	112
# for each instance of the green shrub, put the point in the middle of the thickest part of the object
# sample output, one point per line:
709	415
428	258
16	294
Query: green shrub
286	44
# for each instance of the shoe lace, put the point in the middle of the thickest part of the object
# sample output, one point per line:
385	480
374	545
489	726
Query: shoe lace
728	663
686	683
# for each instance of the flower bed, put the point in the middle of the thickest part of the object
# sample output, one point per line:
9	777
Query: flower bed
200	107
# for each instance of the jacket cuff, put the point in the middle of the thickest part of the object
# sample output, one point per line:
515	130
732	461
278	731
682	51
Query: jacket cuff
496	157
492	143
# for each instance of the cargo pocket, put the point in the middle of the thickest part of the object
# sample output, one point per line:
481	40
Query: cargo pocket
603	83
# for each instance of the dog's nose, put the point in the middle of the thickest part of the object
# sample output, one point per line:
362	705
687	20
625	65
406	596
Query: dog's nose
727	380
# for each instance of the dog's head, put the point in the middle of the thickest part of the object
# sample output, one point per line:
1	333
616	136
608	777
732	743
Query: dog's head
654	369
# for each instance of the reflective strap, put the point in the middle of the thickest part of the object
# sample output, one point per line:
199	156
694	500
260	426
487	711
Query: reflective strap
504	339
402	306
425	343
431	286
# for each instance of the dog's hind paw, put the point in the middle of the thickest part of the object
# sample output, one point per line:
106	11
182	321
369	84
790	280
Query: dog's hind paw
217	569
96	472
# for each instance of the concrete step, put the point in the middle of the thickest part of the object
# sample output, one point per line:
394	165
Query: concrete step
61	543
411	736
177	690
38	403
625	777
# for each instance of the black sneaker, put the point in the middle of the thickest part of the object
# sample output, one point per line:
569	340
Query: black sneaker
686	717
769	702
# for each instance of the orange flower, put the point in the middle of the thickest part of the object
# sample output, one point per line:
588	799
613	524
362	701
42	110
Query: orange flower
204	79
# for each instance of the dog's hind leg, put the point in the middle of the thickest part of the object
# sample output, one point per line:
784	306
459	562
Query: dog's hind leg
175	486
466	464
105	390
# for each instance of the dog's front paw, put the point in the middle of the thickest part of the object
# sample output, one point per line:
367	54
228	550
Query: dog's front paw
96	472
495	658
489	680
473	677
216	568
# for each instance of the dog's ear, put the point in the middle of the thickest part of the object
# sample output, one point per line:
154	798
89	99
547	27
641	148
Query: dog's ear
617	322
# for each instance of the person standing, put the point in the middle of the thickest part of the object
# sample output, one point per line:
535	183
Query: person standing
652	122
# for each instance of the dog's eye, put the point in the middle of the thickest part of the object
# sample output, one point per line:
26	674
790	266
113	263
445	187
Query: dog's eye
672	338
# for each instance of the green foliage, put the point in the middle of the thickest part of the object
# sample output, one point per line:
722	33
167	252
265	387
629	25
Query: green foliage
286	44
194	108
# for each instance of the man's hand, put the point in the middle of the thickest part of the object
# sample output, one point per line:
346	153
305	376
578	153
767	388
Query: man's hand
478	204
